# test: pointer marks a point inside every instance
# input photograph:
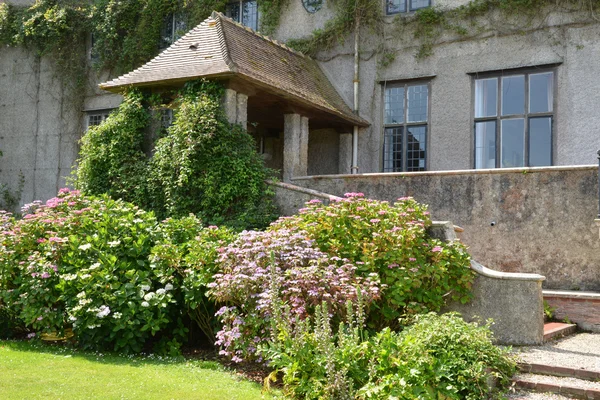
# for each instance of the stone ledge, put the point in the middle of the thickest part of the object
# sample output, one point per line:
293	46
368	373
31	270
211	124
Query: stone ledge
571	294
490	273
526	170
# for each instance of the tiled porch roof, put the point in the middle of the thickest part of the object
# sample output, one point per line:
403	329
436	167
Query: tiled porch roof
221	48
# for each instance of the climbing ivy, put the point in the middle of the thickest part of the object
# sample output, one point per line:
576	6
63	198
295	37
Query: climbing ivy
202	165
429	24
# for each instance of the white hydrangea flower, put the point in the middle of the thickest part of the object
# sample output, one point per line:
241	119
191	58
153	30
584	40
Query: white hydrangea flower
145	287
149	296
161	291
86	246
95	265
168	287
145	304
115	243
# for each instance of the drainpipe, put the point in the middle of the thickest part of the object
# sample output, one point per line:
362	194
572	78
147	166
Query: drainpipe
356	60
597	220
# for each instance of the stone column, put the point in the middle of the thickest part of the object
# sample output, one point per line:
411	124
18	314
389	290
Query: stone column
242	110
230	105
295	146
345	153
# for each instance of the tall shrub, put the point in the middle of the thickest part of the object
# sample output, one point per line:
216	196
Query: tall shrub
419	273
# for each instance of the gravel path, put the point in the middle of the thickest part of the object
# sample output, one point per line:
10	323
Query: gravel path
581	351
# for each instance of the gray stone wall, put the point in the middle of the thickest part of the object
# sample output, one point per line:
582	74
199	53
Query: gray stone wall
566	40
39	125
535	220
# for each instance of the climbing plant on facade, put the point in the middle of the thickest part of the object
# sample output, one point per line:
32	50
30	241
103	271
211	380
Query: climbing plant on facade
203	165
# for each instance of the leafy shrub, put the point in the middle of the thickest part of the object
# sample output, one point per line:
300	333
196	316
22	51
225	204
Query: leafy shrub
187	252
108	269
260	265
390	240
206	166
203	165
111	158
439	357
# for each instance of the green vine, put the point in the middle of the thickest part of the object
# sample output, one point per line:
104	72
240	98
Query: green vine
201	165
429	24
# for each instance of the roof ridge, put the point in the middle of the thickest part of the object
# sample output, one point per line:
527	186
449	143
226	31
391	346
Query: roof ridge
260	35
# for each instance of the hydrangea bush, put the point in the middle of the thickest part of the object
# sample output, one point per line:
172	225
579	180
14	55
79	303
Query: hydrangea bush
105	268
260	265
420	273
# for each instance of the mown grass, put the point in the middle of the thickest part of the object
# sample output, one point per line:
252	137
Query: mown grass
30	370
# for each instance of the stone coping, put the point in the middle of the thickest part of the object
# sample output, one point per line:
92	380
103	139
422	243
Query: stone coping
572	294
304	190
525	170
490	273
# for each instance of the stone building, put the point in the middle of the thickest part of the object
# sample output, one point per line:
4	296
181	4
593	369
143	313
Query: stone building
502	93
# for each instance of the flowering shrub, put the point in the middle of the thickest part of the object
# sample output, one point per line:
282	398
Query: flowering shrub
439	357
390	240
186	254
260	265
104	267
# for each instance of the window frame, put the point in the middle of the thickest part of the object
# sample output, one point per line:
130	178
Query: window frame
240	4
407	7
527	116
405	125
102	112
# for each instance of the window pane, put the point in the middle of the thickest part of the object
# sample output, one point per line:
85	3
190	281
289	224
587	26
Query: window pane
485	144
395	6
415	148
416	4
392	149
486	97
166	32
250	14
540	142
541	92
513	95
394	105
233	11
417	103
513	143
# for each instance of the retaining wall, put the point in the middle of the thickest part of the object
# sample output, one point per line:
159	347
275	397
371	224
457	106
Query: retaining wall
530	220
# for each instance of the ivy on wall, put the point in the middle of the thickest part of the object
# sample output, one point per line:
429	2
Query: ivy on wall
202	164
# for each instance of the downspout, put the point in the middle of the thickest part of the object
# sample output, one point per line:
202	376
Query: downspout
356	81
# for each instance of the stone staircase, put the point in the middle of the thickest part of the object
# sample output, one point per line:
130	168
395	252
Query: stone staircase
569	366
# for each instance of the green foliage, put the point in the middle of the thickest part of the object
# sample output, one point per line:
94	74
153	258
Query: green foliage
548	311
420	273
335	31
208	167
109	270
438	357
188	253
203	165
111	158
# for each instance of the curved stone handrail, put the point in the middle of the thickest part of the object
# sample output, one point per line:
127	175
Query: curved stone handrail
517	276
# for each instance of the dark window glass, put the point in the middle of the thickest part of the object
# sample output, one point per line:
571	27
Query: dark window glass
540	141
513	143
392	149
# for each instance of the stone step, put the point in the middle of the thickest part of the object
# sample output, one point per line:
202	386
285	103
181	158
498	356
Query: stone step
570	387
544	369
553	330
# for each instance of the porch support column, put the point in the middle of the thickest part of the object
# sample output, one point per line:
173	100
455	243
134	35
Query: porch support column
230	105
295	146
345	153
242	110
235	105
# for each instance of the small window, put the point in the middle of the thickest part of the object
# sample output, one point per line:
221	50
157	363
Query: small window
513	120
406	108
404	6
173	28
244	12
312	6
96	117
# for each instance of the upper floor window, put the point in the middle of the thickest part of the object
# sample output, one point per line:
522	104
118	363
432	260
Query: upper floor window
406	108
403	6
173	27
513	120
244	12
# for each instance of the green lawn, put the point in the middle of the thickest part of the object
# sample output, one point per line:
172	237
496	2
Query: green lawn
37	371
